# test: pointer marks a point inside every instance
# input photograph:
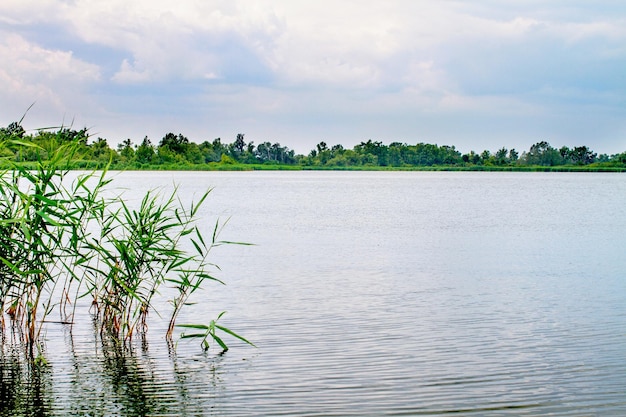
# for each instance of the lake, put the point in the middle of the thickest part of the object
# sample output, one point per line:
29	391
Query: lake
374	293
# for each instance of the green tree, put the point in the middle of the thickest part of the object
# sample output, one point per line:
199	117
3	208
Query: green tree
145	153
126	151
264	151
175	143
100	150
167	156
501	156
249	155
566	154
486	158
375	149
13	131
238	146
471	158
541	153
70	135
212	151
582	155
450	155
193	154
322	146
396	154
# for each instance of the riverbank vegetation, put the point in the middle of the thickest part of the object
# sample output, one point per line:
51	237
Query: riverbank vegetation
65	239
177	152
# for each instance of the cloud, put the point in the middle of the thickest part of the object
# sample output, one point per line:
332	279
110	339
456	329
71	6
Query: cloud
30	62
31	12
195	41
328	68
345	45
31	73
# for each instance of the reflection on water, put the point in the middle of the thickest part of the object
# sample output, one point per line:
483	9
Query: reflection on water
110	378
374	294
25	386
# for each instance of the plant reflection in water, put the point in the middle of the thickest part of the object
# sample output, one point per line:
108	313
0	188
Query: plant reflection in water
110	378
25	384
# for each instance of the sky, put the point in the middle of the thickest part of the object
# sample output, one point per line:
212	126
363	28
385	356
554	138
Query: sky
480	74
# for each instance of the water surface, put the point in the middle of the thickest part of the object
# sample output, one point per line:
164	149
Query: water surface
375	293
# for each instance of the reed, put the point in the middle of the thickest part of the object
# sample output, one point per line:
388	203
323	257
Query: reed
60	242
39	225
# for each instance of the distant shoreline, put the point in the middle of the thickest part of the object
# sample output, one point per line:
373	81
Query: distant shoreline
92	165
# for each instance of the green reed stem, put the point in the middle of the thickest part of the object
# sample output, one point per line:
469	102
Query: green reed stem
57	240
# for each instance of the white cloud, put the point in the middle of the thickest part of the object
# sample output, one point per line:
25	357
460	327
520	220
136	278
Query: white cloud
31	62
31	73
164	43
301	63
30	12
338	45
130	74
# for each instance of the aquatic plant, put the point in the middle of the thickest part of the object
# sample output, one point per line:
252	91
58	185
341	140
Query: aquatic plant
39	230
204	332
60	242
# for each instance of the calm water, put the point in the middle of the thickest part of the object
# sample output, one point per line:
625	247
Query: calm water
376	294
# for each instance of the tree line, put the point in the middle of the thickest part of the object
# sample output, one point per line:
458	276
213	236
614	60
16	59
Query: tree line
176	151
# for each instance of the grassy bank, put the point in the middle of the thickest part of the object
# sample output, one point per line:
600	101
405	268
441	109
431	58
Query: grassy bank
217	166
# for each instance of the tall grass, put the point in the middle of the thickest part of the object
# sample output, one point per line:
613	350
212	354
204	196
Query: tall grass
39	234
62	240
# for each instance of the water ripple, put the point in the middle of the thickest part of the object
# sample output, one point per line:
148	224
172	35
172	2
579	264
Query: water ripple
379	295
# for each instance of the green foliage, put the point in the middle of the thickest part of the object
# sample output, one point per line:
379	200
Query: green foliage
39	230
207	332
541	153
61	240
176	144
176	151
126	151
226	160
145	153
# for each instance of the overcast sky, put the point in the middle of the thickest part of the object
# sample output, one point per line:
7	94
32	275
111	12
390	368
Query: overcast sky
479	74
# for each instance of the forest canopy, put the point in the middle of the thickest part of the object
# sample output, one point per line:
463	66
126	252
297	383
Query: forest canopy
176	151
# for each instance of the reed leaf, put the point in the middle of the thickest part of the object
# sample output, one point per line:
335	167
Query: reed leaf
58	239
